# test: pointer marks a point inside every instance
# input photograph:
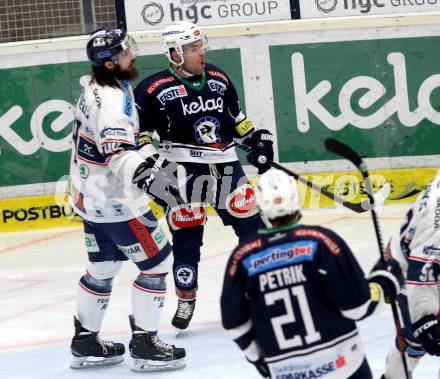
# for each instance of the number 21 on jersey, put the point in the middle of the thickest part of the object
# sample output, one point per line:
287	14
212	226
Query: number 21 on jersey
312	335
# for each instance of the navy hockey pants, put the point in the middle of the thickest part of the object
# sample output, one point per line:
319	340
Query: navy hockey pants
208	183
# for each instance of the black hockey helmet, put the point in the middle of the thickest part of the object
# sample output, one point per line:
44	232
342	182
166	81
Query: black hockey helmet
108	43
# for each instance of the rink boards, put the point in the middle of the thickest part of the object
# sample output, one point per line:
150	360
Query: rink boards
49	211
372	82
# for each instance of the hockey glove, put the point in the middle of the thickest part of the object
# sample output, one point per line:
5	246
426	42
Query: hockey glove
427	331
157	177
261	367
261	144
388	275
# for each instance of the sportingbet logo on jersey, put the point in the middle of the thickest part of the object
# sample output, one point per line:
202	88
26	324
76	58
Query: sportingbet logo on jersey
171	93
280	255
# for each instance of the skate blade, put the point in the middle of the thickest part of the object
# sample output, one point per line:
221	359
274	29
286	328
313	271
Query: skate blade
146	365
89	362
178	332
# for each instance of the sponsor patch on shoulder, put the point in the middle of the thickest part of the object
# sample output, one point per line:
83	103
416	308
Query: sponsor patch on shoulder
127	106
158	83
327	240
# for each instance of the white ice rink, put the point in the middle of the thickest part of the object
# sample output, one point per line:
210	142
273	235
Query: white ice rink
39	272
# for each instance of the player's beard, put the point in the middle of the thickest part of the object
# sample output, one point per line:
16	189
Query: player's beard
129	74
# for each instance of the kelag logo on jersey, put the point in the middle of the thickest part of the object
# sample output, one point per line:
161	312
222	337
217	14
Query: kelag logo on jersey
171	93
202	106
280	255
216	86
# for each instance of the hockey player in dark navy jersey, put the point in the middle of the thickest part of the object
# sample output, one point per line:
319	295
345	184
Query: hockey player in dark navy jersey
194	108
291	295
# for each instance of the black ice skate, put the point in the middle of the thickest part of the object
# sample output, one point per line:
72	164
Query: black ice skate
151	354
89	350
184	313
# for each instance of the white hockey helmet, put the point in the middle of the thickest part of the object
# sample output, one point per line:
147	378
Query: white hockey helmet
276	195
178	35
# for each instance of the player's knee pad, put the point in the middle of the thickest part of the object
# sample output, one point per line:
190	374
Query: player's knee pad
100	286
153	282
187	216
241	202
104	270
99	276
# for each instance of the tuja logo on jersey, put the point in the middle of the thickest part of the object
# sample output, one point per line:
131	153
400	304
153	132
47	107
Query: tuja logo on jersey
201	106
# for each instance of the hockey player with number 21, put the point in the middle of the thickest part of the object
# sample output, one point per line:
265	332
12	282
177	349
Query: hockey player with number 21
193	106
291	295
110	178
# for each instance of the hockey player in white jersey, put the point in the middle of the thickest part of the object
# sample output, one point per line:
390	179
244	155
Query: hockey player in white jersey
417	248
109	182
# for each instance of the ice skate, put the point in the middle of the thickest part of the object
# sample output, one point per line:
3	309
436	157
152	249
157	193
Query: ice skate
183	315
149	353
89	350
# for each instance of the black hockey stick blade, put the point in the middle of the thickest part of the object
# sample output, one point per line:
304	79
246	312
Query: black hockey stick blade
343	150
409	191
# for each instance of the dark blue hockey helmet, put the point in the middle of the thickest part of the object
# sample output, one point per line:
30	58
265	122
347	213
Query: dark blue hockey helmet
108	43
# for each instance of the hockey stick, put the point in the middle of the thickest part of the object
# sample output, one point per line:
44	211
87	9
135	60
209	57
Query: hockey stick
361	207
409	191
347	152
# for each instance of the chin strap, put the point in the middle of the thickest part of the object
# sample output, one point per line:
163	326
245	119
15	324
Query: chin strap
183	72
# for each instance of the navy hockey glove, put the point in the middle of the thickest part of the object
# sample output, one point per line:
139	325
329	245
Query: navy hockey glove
261	367
427	331
261	144
157	177
388	275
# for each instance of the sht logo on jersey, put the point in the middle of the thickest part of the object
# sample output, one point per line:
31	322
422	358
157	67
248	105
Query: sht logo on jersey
171	93
207	130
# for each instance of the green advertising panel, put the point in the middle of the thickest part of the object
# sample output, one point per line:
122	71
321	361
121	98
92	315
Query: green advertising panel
36	113
380	96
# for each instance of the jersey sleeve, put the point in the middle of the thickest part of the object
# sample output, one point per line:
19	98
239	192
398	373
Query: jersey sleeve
150	115
342	278
116	134
235	309
244	127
